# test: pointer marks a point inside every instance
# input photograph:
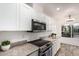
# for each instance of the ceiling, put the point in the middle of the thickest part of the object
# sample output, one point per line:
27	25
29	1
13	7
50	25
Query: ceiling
65	10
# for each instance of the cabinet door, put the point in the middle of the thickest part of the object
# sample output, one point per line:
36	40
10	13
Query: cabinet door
49	26
26	15
55	47
40	17
8	18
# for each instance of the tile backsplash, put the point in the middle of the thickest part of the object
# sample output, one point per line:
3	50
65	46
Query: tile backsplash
15	36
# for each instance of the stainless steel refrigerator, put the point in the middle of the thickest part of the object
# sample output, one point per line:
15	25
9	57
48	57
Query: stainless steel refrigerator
67	31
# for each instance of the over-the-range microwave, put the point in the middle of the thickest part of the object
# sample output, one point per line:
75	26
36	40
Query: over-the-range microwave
37	26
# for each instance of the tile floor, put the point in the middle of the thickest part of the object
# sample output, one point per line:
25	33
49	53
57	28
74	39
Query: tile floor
68	50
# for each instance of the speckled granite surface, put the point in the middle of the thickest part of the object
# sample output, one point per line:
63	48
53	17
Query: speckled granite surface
68	50
21	50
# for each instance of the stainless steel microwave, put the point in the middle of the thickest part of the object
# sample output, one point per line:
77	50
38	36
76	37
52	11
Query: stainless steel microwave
37	26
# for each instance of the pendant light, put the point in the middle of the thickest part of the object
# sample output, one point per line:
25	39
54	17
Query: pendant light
70	19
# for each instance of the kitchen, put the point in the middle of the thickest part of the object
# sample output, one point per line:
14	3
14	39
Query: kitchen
39	29
30	32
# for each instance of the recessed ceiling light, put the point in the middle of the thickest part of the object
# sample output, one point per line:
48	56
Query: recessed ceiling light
57	9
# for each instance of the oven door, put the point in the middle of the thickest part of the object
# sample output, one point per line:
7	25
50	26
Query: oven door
48	52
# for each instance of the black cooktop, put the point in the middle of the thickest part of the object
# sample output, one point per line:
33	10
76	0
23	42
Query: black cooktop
39	42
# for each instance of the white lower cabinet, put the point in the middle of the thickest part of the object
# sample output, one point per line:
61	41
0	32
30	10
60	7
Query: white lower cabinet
55	47
34	53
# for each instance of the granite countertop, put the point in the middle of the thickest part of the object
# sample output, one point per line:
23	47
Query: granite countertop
21	50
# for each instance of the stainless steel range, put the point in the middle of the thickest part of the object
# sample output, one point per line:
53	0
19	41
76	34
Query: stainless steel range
45	47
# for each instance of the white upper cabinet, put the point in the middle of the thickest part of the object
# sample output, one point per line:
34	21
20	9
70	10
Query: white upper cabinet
8	18
50	23
18	17
15	17
40	17
25	18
